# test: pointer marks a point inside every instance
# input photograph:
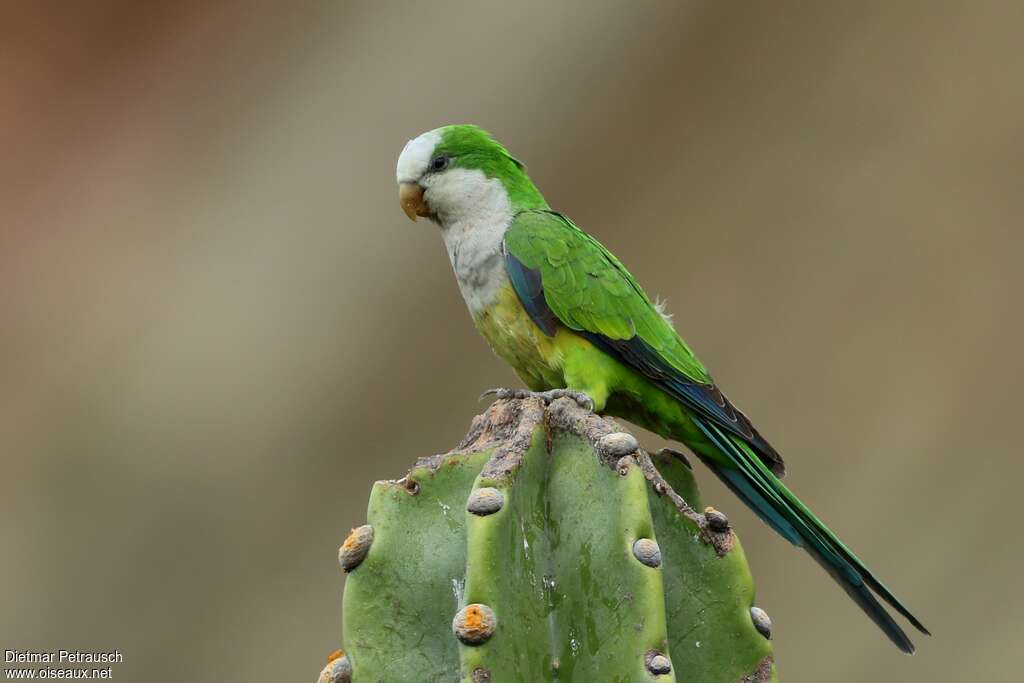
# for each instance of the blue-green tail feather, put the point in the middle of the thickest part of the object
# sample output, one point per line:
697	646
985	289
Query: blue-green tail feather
778	507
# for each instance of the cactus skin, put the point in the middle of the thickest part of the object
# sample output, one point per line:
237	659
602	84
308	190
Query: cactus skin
554	561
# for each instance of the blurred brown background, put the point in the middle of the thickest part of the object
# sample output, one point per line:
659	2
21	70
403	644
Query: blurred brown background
217	327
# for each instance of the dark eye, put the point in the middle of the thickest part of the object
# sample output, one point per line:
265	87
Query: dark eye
439	163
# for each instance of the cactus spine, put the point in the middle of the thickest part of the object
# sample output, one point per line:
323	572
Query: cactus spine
547	547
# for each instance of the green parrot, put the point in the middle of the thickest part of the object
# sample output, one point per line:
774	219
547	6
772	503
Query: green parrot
570	319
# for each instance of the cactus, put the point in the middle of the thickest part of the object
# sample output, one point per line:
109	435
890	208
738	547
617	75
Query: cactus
547	547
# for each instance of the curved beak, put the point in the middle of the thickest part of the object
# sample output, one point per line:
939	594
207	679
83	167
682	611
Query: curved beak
410	196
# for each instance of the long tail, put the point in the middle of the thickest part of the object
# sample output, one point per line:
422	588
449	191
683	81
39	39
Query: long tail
776	505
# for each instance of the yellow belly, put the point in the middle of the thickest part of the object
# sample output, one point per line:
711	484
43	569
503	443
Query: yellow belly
516	339
569	360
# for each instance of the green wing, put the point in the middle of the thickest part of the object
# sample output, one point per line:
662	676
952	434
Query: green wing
588	289
561	273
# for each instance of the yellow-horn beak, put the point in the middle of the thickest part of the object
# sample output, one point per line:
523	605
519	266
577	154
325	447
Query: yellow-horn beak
410	196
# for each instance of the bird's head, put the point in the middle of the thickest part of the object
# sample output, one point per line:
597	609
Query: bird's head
450	173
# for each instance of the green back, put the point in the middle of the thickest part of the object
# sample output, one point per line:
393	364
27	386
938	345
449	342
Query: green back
589	290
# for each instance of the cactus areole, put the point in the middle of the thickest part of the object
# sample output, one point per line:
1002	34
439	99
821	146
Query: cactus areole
537	551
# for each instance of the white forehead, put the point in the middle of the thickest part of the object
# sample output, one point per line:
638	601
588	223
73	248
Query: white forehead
413	160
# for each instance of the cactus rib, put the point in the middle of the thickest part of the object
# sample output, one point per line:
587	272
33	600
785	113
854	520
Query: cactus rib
549	547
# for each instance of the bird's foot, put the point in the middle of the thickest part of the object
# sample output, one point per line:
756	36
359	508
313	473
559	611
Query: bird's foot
581	399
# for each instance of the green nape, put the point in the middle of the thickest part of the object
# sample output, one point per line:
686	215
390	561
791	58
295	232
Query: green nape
473	147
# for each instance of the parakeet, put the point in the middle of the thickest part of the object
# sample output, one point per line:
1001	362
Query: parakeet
571	321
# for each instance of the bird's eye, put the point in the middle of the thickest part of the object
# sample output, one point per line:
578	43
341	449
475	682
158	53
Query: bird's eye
439	163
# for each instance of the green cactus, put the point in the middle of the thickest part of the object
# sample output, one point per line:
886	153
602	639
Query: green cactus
547	547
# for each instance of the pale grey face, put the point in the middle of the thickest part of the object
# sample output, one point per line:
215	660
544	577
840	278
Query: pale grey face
414	161
473	211
429	188
414	165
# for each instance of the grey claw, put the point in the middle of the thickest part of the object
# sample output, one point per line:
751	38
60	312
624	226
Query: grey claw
498	393
583	401
579	397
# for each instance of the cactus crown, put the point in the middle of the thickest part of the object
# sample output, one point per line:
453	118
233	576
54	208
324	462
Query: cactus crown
547	547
